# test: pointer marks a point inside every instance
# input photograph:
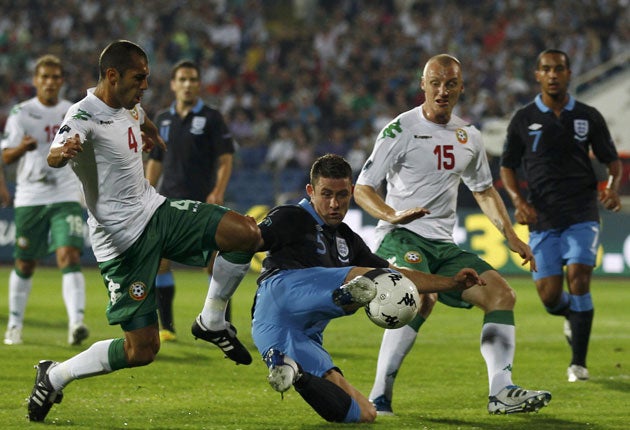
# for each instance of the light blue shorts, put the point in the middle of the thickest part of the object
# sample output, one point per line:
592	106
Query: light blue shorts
558	247
291	312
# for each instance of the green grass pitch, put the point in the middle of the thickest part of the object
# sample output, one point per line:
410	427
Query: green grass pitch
442	385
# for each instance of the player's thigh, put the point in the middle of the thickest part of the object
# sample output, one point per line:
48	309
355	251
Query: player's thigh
66	225
187	230
32	226
129	280
405	249
547	249
579	243
299	298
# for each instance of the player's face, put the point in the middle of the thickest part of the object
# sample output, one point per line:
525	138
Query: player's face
553	75
131	85
331	199
186	85
47	82
442	87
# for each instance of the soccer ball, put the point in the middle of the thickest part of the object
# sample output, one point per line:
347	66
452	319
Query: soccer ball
396	301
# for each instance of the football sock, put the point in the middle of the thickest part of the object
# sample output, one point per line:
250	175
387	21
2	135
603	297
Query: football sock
19	290
226	277
164	294
73	288
497	348
329	400
395	346
93	361
581	320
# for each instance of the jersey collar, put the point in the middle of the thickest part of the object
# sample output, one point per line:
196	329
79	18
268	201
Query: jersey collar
195	109
306	205
543	108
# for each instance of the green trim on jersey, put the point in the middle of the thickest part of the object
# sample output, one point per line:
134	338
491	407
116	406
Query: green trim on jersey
179	230
402	247
41	230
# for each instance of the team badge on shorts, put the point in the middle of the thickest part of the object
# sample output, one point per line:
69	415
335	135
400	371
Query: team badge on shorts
462	136
138	291
412	257
22	242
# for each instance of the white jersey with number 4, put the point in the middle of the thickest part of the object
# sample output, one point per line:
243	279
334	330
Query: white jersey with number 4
37	183
120	200
423	163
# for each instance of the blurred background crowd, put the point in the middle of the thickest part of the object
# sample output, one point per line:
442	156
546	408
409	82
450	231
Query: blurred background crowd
295	79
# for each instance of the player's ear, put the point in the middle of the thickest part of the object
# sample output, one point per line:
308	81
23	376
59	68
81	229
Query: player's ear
310	190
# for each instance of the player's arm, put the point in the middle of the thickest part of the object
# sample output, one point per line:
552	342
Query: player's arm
609	196
151	136
5	197
59	155
371	202
491	204
429	283
524	212
153	171
12	154
224	172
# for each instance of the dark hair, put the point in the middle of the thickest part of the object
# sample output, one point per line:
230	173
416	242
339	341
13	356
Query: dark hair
184	64
330	166
118	55
48	60
553	51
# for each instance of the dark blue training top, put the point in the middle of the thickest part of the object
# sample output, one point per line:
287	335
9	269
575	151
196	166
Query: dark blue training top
554	155
296	237
194	144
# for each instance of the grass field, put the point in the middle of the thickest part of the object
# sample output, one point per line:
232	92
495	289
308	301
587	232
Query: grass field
443	384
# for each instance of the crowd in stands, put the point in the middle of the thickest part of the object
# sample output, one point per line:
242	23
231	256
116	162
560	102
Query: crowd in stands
298	78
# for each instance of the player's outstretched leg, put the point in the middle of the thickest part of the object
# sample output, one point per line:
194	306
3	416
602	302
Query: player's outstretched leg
514	399
225	339
43	395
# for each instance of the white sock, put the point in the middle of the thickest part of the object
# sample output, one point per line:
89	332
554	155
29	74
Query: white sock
91	362
497	348
226	277
73	287
19	290
395	346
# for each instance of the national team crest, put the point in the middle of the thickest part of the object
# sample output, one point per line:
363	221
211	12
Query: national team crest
134	113
138	291
462	136
198	123
412	257
342	249
580	126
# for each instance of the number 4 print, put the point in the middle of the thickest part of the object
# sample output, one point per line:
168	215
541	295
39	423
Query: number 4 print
131	138
445	157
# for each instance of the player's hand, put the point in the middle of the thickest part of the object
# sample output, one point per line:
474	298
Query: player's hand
71	147
609	198
523	249
149	142
408	215
467	278
29	143
525	213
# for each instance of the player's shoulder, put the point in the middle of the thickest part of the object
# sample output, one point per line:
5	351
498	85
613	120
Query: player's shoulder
401	125
23	106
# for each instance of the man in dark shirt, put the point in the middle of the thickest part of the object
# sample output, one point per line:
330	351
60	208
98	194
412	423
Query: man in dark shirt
550	139
318	269
197	166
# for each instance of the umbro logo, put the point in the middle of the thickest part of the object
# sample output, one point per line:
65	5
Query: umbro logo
422	136
106	122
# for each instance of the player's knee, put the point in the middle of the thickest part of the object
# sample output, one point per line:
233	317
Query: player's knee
142	355
25	268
